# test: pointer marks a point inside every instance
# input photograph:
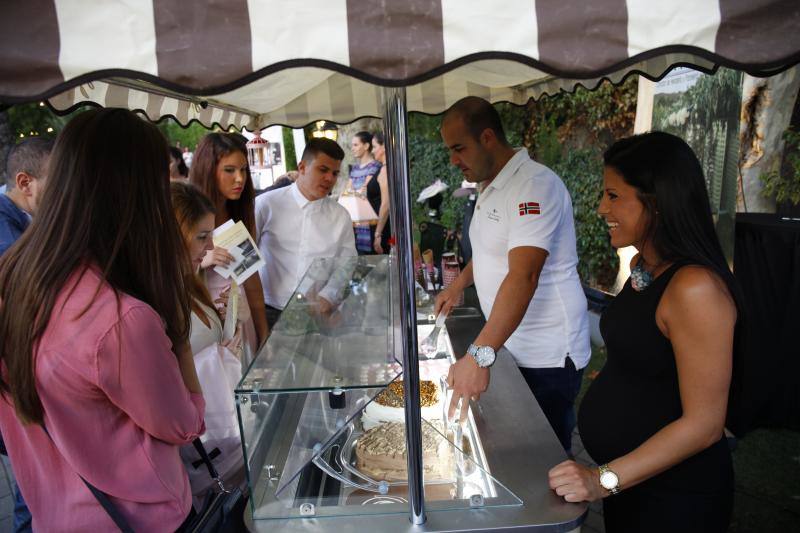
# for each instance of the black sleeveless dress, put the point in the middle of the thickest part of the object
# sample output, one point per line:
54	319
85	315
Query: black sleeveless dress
634	396
374	199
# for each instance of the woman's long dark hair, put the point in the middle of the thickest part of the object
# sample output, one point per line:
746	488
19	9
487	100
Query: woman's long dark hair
107	205
669	182
203	174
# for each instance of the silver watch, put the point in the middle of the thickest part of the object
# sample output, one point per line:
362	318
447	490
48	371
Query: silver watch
483	355
609	480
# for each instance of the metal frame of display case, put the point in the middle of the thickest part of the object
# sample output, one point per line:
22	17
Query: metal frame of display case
395	120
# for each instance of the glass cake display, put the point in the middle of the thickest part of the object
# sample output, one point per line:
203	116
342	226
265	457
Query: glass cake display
321	408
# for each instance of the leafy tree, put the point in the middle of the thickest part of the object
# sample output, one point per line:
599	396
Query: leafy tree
178	135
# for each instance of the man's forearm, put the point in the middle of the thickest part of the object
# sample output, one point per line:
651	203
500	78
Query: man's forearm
512	301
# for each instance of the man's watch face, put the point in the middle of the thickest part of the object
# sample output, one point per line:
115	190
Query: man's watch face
485	356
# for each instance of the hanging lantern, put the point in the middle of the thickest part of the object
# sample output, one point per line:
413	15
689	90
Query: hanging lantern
258	154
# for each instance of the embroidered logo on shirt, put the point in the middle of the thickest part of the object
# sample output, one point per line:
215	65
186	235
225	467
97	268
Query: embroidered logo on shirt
529	208
494	215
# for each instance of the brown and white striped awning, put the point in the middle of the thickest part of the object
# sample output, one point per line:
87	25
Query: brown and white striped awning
258	62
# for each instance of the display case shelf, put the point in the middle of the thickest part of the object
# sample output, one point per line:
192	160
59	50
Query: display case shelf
308	401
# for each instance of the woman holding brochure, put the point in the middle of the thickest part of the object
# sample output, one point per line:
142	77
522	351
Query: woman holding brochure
220	171
216	358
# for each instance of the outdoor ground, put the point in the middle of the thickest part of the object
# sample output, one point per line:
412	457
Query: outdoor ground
767	466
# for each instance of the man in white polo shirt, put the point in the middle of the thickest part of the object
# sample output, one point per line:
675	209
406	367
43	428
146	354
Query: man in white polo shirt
523	266
300	223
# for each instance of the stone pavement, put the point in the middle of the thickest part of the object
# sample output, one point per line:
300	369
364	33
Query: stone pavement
6	496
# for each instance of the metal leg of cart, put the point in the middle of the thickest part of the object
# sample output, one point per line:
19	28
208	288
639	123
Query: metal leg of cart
395	120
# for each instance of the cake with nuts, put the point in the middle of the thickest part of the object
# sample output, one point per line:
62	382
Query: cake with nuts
389	405
381	452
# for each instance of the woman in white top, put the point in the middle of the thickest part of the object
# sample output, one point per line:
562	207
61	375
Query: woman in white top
217	359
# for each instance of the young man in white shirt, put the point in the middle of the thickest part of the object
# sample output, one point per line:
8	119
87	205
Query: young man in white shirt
300	223
523	265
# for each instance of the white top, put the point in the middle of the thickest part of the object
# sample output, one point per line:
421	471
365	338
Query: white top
291	232
527	205
202	336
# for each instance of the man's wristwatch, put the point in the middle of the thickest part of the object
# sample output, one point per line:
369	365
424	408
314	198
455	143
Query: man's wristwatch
609	480
483	355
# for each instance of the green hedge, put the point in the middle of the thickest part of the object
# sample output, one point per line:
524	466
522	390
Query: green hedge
582	173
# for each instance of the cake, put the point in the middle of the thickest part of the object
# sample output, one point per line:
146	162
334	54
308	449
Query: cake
389	405
381	452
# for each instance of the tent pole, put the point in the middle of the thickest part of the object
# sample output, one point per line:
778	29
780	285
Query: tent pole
395	121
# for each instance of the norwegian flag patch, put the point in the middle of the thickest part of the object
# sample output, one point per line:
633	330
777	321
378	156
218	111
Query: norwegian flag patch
529	208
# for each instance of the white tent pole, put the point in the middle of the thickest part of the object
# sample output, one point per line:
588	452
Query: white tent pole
395	120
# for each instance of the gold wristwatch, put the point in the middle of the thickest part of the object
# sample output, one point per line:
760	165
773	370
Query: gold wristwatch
609	480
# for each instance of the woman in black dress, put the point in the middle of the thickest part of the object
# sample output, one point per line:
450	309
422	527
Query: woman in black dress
654	417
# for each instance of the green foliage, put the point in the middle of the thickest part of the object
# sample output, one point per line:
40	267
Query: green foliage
568	133
288	146
188	136
785	186
584	117
35	119
582	173
429	161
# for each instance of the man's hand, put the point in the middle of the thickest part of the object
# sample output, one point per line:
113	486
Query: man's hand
217	256
468	381
376	244
446	300
575	482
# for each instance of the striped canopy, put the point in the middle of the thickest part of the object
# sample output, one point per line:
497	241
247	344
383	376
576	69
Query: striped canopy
259	62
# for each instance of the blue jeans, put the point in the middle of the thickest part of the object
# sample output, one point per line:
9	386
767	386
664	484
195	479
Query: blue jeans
22	515
556	389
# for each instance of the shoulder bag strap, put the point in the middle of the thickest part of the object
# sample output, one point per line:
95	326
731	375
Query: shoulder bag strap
102	499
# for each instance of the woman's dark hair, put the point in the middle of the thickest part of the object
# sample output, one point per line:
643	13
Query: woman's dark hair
190	206
176	154
670	184
378	138
203	174
111	210
366	138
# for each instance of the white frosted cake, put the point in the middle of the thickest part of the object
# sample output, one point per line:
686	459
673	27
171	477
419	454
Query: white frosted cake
389	405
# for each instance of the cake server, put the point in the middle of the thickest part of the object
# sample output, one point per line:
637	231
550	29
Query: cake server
429	344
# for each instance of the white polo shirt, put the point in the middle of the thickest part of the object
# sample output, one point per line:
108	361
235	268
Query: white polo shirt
291	232
527	204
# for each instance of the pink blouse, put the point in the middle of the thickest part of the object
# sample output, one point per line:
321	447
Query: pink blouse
117	410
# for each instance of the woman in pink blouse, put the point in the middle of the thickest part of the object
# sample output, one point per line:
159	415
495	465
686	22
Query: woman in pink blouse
94	323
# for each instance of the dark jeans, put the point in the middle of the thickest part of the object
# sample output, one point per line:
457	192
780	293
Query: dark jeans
23	521
273	314
22	515
555	389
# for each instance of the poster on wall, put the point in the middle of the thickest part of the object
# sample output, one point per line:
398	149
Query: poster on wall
704	110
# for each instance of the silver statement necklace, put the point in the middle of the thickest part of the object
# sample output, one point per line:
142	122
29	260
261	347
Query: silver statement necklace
641	278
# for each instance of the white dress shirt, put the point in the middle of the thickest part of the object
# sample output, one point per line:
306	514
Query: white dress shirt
292	232
527	204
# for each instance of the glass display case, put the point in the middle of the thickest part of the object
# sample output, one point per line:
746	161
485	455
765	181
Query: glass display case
321	407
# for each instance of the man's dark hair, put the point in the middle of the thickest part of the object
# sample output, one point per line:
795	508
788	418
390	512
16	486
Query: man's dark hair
29	157
478	115
324	145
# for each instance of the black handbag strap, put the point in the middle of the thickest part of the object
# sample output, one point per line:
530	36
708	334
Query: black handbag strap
106	503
